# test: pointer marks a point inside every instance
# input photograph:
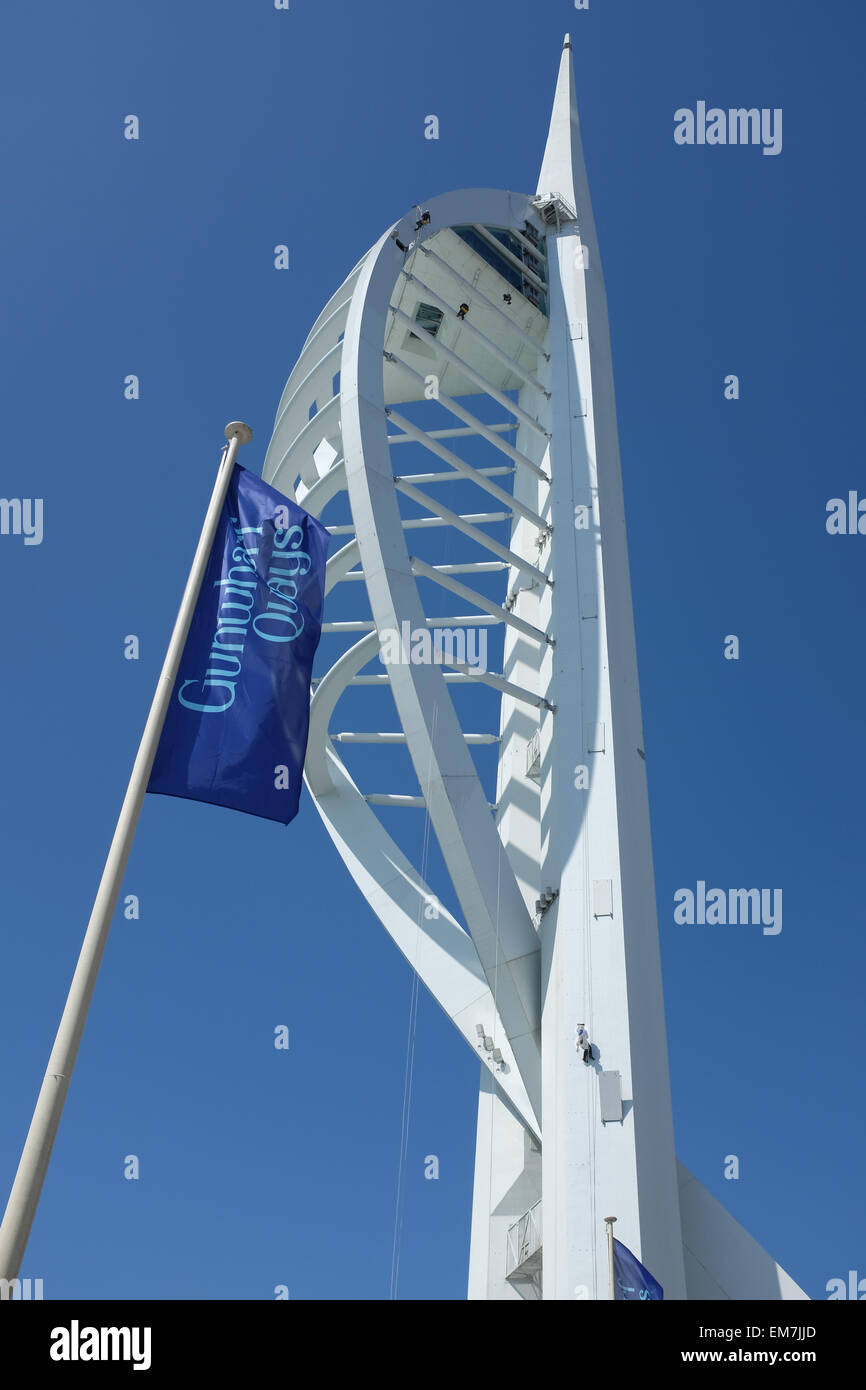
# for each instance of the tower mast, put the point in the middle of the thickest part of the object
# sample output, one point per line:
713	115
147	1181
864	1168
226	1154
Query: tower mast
607	1125
600	948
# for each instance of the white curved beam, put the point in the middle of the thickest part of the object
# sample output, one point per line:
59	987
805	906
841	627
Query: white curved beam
434	945
429	937
483	879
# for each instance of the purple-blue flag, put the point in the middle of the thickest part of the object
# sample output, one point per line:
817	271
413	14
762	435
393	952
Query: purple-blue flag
236	729
630	1278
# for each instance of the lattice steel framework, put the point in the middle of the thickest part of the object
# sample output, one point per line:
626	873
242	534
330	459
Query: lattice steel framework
451	417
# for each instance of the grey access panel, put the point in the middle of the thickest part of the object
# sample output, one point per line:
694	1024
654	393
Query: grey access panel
610	1096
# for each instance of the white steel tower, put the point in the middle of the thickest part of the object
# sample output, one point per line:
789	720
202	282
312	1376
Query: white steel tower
453	410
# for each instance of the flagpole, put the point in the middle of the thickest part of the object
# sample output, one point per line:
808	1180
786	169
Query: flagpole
608	1221
26	1189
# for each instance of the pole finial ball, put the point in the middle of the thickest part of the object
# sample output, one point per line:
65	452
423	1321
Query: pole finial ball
243	432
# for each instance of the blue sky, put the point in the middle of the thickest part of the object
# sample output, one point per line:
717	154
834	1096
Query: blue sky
155	257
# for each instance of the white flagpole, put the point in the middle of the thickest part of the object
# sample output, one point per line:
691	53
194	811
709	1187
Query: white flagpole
23	1199
609	1220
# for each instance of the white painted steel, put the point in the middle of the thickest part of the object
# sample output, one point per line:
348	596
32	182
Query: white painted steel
523	968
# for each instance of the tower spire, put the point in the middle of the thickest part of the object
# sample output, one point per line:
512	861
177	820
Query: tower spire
562	166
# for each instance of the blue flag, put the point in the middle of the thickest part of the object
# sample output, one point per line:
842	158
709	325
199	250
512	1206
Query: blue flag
236	729
630	1278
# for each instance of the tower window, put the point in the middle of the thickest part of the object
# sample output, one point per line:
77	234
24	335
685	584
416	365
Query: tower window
429	317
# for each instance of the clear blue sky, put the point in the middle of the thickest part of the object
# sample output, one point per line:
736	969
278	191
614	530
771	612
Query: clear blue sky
155	257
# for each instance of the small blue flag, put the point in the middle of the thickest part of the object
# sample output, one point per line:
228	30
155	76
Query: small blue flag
630	1278
236	729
